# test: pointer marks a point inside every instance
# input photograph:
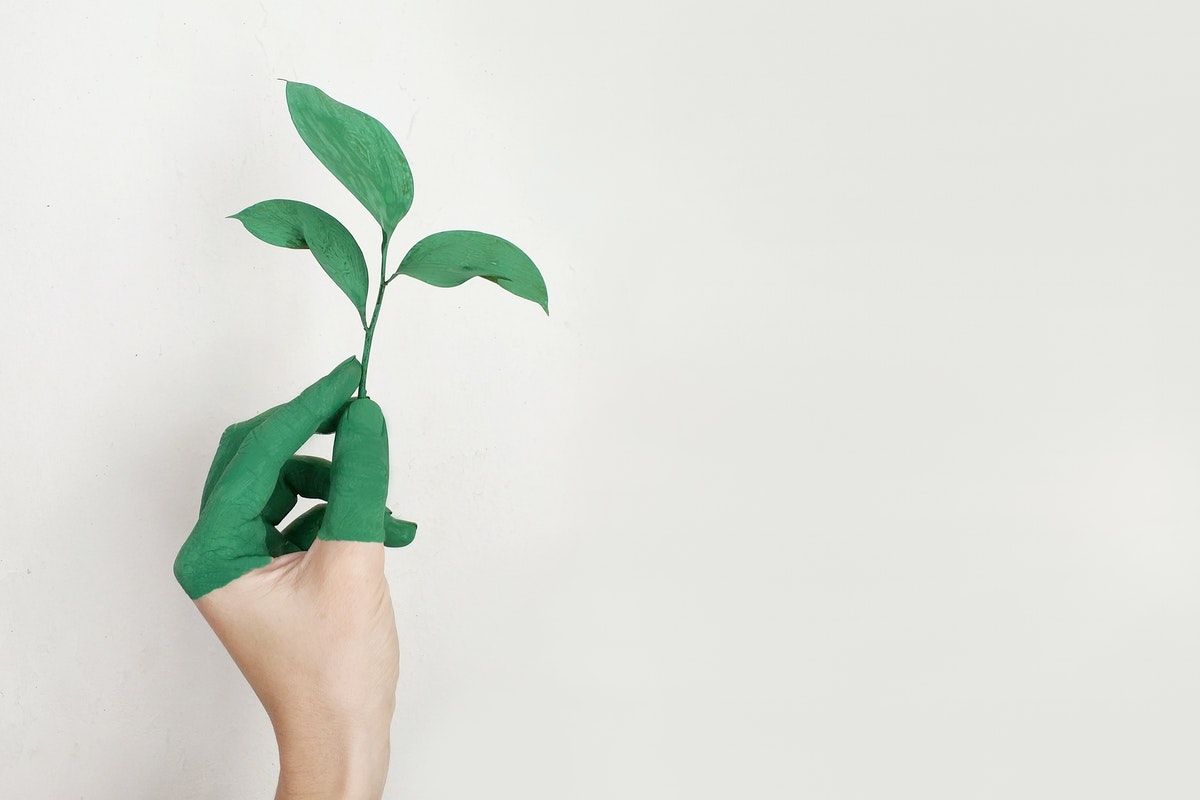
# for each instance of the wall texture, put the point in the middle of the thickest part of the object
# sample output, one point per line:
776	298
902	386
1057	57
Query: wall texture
858	458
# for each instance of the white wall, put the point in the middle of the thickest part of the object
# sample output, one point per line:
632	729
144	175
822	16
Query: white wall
859	458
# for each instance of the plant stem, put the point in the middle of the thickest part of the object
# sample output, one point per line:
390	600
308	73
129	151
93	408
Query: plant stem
370	329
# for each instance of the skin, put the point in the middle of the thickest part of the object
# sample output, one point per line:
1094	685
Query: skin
306	612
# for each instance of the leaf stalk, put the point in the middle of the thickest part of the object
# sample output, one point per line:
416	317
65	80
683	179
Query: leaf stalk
369	330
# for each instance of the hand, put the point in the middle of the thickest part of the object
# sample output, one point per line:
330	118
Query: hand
306	613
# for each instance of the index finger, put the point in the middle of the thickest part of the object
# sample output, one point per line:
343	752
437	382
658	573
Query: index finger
254	469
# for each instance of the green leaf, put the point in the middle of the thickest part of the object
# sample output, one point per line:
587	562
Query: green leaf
290	223
450	258
357	149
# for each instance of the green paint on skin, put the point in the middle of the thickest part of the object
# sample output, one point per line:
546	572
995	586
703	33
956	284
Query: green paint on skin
256	477
358	482
309	476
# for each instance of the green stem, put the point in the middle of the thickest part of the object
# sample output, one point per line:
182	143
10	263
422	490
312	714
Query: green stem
370	329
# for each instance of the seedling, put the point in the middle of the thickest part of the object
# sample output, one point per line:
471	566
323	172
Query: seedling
365	157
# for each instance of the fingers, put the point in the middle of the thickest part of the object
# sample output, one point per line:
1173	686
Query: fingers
250	477
303	529
359	477
300	534
398	532
231	538
301	476
349	540
306	476
231	440
218	552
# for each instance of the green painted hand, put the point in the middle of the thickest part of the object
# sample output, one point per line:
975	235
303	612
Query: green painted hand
255	479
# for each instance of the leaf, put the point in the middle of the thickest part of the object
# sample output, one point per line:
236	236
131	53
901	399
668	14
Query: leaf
290	223
450	258
357	149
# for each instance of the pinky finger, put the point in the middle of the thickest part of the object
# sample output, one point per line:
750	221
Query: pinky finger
398	532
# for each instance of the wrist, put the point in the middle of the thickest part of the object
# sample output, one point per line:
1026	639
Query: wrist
332	762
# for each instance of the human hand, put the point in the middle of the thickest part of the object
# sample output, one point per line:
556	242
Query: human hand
306	613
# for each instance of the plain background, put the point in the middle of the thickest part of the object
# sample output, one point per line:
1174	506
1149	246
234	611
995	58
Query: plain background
858	458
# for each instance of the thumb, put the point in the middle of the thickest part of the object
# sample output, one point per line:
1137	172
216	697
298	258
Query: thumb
358	483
